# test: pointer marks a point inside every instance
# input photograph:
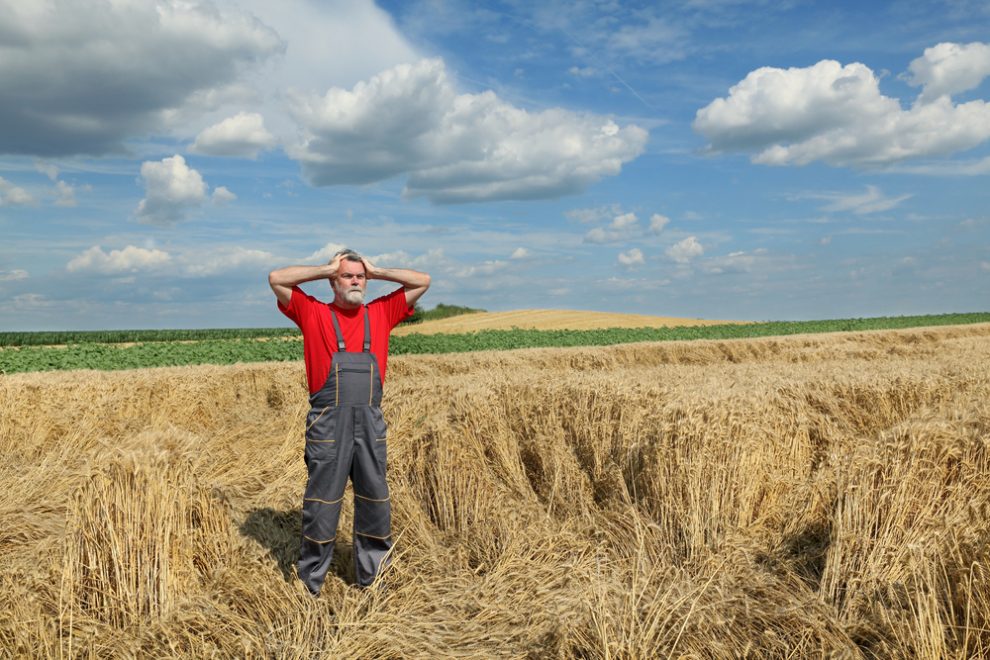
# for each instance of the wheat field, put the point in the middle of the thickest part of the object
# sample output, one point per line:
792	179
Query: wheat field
547	319
802	497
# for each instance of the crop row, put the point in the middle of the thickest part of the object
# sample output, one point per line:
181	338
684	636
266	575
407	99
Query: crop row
54	338
281	348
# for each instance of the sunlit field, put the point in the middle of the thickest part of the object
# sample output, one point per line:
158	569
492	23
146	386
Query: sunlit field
795	497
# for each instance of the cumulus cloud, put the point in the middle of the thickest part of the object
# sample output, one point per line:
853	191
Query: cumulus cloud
130	259
595	214
48	169
658	222
325	253
13	275
454	147
836	114
402	259
172	189
196	263
225	259
947	69
11	195
242	135
684	251
623	227
65	194
631	258
222	196
65	88
520	253
484	268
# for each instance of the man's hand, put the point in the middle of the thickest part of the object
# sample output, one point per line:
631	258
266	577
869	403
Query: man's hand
283	279
334	266
414	282
370	271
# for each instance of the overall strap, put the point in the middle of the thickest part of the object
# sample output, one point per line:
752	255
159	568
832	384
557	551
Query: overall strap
367	331
340	336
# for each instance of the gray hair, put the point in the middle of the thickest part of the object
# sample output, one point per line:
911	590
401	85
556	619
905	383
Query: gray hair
346	253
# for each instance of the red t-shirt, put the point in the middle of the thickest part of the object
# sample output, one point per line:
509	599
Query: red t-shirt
320	342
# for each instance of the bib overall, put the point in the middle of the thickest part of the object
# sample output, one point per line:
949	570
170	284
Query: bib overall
345	437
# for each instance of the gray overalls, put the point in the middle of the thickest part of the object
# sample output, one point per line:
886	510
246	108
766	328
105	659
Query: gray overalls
345	436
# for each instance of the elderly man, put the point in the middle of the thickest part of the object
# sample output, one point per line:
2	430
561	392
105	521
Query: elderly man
345	346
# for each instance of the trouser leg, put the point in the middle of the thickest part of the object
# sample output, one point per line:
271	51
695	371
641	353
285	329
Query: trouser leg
372	509
327	461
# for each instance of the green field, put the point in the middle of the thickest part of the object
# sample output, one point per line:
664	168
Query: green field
158	348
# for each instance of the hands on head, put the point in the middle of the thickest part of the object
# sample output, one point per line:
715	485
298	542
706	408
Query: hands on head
369	268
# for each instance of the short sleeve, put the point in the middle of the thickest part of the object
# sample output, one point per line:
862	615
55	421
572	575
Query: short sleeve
299	306
395	307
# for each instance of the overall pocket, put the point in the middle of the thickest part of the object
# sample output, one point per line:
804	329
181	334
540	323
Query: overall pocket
321	440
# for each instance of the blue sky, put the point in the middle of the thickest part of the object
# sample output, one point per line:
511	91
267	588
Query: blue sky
716	159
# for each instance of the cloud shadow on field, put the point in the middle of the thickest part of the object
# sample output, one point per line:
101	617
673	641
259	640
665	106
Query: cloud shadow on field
280	532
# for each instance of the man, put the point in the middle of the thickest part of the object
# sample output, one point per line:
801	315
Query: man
345	347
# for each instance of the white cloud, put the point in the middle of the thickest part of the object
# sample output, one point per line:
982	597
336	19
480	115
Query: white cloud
402	259
485	268
11	195
172	188
65	195
836	114
325	253
631	258
242	135
683	251
69	89
871	201
225	259
624	221
520	253
583	72
596	214
623	227
658	222
947	69
130	259
48	169
13	275
454	147
222	196
977	167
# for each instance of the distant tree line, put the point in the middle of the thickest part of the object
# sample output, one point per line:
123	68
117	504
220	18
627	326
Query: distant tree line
441	311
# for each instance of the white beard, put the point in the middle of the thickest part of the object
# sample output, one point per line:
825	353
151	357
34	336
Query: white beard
353	296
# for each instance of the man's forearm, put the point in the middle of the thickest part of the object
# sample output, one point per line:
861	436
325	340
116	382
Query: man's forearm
407	278
292	275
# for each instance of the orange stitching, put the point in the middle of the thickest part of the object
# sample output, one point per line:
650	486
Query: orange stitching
372	536
316	499
329	540
370	499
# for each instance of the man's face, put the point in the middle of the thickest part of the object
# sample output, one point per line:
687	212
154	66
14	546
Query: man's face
350	282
